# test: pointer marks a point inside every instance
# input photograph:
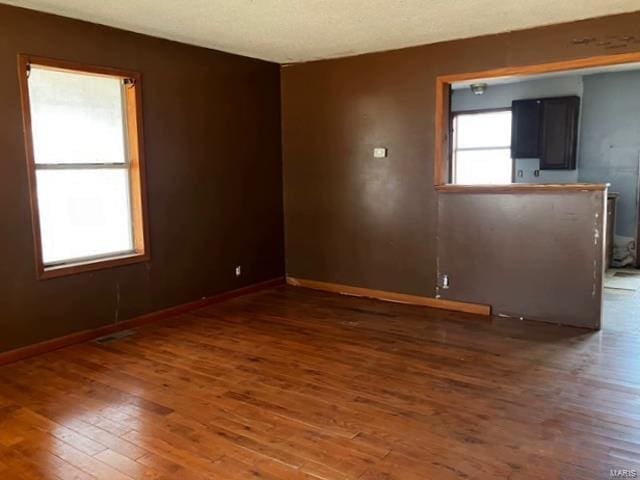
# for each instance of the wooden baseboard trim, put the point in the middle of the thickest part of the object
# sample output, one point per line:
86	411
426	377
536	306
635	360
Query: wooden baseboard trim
392	296
86	335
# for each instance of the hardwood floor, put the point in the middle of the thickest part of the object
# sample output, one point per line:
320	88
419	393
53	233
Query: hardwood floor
296	384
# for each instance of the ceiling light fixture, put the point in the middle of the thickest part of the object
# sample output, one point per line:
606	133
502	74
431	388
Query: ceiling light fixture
478	88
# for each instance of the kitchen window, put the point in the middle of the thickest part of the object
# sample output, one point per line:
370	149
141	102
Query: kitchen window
481	153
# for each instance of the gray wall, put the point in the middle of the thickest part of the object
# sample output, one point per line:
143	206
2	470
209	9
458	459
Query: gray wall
610	143
533	255
501	96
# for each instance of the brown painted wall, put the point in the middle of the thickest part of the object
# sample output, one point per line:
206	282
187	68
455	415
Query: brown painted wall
537	255
356	220
212	141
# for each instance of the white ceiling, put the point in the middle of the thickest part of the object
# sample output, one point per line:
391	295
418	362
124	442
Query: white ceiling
286	31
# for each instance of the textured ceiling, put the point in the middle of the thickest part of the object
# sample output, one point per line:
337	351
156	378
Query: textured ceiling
286	31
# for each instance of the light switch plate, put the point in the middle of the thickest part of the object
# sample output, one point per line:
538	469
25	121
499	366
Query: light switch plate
380	152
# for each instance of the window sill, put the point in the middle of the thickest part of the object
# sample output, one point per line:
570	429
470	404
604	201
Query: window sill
92	265
522	188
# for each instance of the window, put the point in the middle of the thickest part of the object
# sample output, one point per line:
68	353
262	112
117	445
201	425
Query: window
481	153
82	128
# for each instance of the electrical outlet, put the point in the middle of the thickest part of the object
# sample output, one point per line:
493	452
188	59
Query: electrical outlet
238	270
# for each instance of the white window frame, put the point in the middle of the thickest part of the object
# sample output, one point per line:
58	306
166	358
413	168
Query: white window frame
454	141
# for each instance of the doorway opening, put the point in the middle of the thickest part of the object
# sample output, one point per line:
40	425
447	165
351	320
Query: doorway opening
559	125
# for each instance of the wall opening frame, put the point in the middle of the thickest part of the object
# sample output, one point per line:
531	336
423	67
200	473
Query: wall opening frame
132	111
442	137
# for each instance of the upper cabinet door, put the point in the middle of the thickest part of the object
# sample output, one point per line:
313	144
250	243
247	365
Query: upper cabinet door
525	128
559	133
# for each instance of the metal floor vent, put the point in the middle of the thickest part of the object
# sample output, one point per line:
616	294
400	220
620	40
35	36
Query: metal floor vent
114	337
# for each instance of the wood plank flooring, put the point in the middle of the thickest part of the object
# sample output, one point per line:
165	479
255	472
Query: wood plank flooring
296	384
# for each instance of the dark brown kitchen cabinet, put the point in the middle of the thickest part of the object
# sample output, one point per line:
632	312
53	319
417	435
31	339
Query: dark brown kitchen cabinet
559	133
525	128
546	128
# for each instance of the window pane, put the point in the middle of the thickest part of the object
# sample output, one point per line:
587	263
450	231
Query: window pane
76	118
84	213
478	167
491	129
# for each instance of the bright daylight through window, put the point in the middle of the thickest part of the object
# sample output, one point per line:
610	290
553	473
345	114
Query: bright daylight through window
482	148
85	171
